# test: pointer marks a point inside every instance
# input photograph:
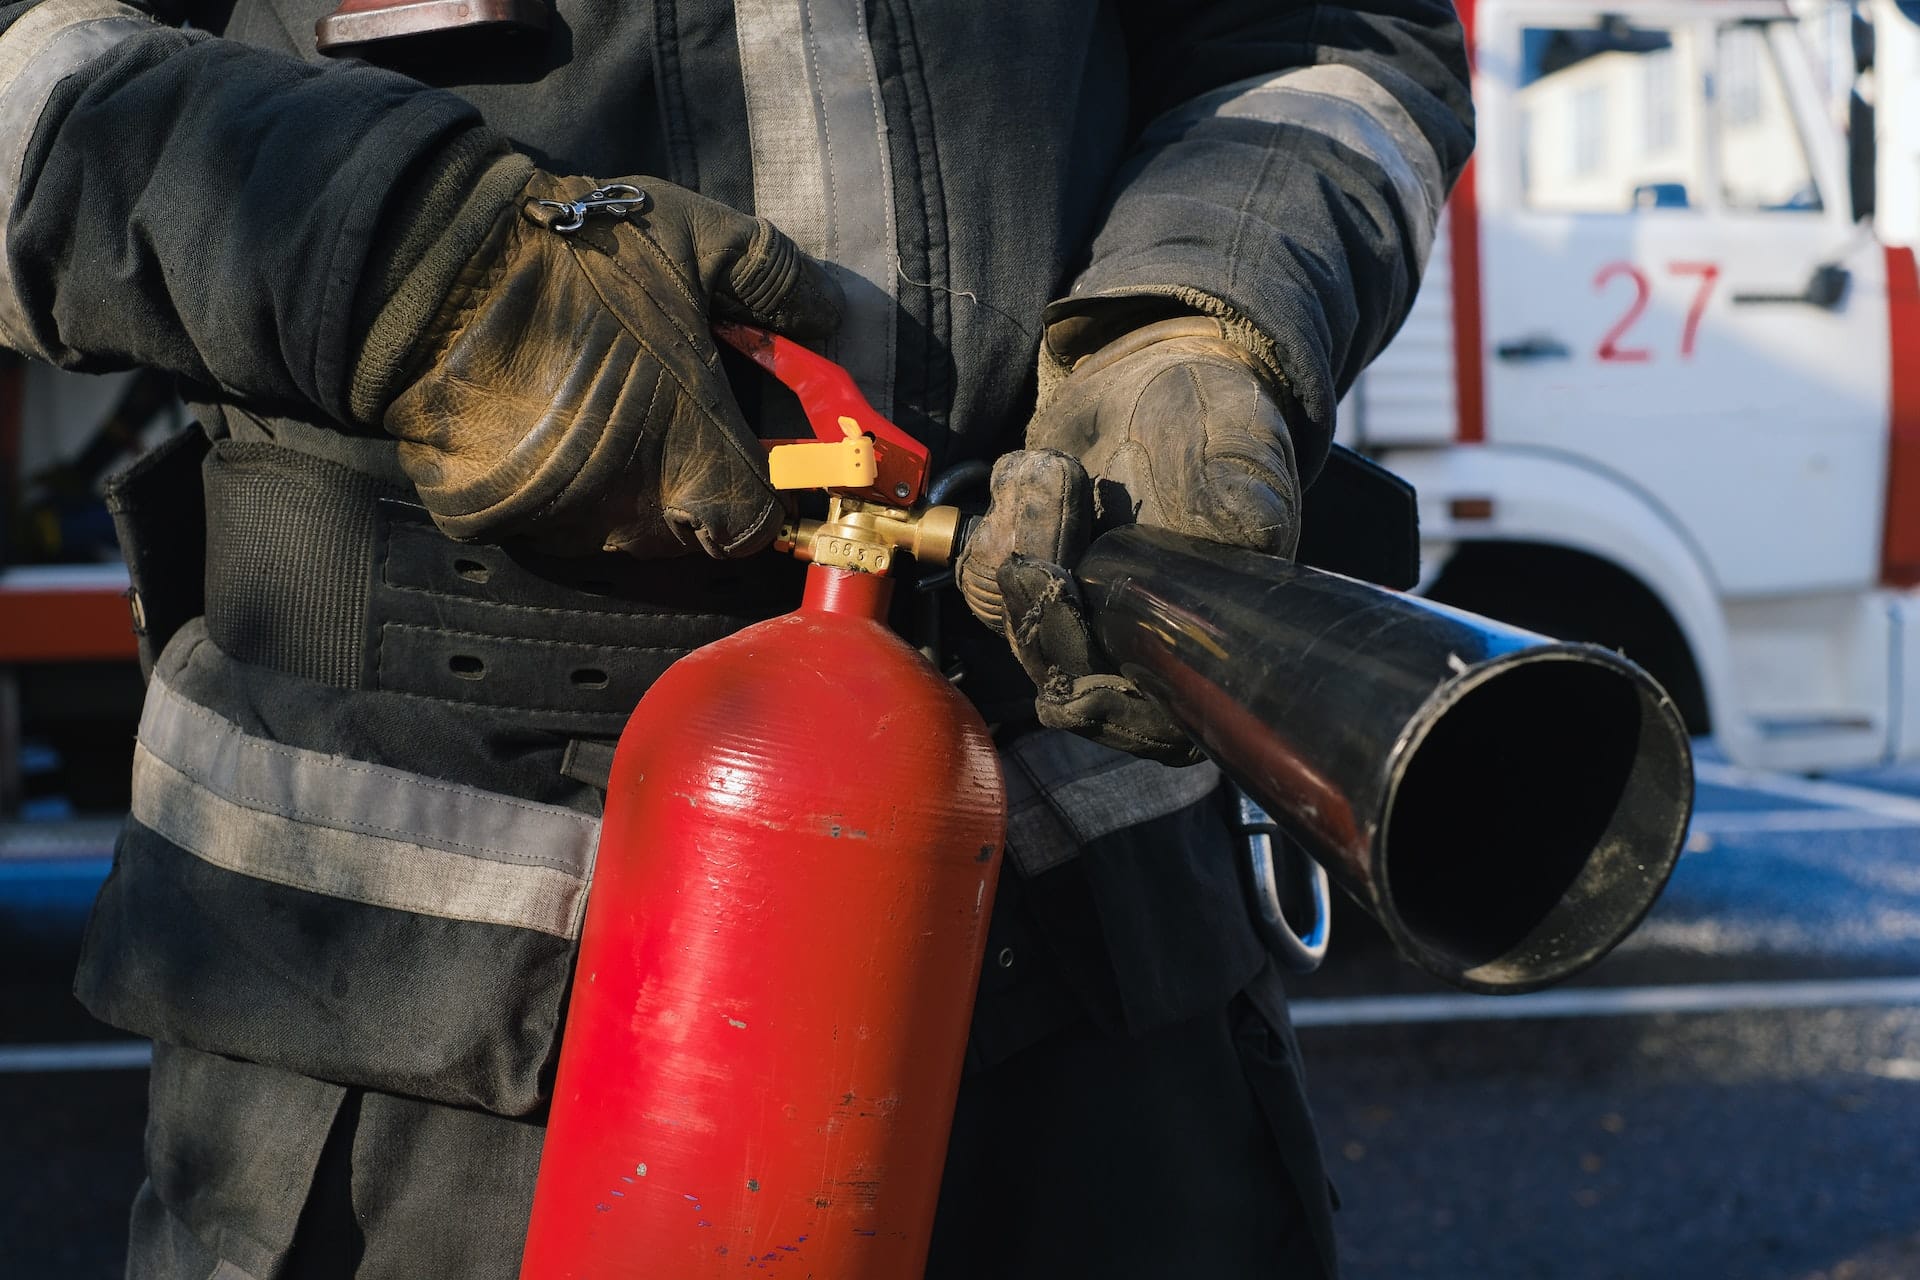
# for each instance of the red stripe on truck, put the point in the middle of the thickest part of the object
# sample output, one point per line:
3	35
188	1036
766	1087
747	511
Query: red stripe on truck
1463	243
1900	543
1463	232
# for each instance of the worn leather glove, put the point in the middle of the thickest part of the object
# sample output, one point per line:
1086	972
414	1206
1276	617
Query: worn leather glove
1172	425
567	391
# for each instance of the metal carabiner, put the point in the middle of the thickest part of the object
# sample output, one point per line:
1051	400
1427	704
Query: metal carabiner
1299	953
620	199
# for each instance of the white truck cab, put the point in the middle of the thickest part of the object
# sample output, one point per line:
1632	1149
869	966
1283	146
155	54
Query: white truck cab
1660	389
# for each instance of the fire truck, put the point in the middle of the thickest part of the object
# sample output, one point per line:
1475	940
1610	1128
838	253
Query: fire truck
1661	389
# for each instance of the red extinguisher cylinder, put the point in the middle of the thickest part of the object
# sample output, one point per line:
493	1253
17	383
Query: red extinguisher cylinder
778	962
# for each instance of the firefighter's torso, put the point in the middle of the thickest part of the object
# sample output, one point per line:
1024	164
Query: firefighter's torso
368	786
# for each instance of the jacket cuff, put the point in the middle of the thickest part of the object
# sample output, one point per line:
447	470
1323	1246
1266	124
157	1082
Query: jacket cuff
1080	325
440	222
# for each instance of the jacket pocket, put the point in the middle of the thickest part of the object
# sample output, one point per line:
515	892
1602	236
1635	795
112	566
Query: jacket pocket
290	892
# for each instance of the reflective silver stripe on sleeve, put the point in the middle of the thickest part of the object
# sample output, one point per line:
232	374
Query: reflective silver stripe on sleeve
48	44
353	830
821	169
1064	792
1355	110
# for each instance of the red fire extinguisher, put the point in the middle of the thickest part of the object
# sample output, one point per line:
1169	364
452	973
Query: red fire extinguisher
777	968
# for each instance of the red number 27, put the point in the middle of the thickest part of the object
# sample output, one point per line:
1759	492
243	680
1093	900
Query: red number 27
1612	348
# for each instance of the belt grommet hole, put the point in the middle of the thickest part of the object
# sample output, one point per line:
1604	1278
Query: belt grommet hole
589	678
472	570
466	666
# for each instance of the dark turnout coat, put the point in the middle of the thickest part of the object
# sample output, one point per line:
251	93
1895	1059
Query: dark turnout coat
345	902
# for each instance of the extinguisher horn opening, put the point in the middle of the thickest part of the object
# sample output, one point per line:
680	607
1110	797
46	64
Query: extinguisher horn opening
1534	821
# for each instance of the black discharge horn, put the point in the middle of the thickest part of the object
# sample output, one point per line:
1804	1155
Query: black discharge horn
1506	805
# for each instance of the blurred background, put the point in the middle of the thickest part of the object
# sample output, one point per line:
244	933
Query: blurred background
1661	391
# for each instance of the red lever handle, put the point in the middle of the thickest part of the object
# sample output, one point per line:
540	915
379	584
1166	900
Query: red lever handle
828	393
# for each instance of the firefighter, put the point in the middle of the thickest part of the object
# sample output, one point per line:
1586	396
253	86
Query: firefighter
471	475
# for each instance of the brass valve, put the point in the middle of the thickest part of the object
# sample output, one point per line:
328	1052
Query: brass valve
864	536
871	459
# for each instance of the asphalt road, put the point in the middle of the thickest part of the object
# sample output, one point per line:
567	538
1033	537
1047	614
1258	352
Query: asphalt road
1735	1093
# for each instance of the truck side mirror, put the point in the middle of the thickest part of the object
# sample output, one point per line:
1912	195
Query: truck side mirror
1862	156
1828	285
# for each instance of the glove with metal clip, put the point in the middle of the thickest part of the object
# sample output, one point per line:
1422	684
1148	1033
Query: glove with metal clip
1173	425
567	391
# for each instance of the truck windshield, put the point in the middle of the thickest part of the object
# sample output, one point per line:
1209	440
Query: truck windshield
1763	162
1609	119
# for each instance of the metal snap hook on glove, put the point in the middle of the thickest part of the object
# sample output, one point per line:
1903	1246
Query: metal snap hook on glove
620	199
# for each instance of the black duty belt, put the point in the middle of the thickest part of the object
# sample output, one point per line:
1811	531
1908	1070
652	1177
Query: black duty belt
324	572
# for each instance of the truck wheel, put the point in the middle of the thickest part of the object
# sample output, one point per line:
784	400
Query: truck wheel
1574	596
